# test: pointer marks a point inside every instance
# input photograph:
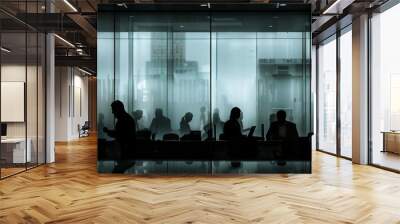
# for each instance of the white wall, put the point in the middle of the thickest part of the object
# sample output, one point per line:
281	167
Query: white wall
71	102
34	125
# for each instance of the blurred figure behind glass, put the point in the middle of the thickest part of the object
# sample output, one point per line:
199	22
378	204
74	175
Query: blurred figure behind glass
160	124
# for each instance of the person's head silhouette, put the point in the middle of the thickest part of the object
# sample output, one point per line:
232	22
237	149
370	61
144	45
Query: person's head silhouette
281	116
138	114
188	117
117	108
235	113
159	113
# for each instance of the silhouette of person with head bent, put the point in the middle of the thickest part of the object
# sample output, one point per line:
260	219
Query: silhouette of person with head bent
233	132
160	124
282	129
184	125
124	133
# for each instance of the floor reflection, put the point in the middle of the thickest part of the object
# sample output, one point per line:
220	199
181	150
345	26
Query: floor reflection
207	167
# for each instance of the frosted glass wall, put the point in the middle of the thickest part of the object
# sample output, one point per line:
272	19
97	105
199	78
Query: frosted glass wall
205	63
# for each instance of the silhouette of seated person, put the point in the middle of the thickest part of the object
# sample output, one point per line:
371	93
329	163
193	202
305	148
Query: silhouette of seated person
137	115
285	131
233	133
232	128
124	133
185	123
282	129
160	124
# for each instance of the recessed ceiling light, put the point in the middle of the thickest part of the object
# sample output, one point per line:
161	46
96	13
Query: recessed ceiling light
65	41
122	5
70	5
334	5
84	71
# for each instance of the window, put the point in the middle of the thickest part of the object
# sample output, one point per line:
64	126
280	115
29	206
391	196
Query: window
385	88
346	93
327	96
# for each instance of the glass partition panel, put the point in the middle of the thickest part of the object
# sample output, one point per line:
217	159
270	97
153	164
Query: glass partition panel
15	149
22	62
261	65
105	74
235	77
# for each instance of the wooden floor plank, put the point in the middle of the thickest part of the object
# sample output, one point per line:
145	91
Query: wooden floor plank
71	191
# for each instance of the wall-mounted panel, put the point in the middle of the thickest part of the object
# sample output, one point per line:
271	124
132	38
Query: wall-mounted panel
13	100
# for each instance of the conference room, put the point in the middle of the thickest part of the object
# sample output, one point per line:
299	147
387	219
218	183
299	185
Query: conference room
22	79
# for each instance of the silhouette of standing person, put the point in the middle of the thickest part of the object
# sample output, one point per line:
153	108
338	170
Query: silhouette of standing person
160	124
124	133
184	125
137	115
233	132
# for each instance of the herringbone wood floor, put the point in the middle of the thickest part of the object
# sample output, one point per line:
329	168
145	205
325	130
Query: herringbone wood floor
71	191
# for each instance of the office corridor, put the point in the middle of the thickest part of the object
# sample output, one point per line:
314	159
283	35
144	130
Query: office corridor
72	191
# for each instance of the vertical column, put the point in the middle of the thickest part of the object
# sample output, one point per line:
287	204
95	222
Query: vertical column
360	90
50	92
